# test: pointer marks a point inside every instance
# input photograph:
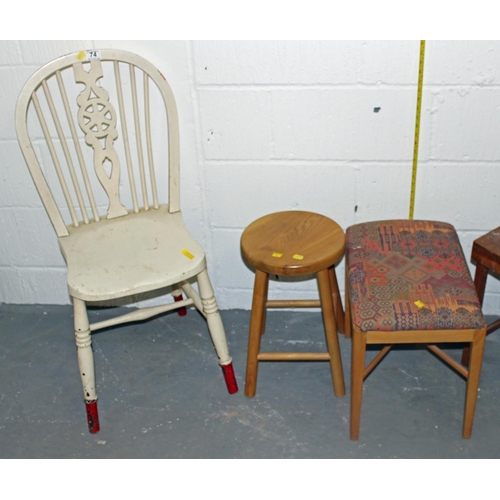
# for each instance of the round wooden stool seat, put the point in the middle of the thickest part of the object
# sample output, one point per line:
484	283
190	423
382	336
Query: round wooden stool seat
295	243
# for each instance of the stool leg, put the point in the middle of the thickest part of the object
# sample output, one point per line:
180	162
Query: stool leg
475	363
337	302
357	371
258	308
332	340
264	312
480	283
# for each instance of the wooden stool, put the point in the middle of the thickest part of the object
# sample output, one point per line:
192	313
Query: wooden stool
408	283
486	255
295	244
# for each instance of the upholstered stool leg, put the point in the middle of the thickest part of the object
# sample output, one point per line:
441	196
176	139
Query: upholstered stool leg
216	329
357	376
332	340
480	284
475	363
347	317
337	301
258	308
177	295
86	364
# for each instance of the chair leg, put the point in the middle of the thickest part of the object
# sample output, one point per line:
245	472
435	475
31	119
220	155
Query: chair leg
177	295
86	364
258	307
480	284
475	363
357	371
332	339
480	281
337	301
216	329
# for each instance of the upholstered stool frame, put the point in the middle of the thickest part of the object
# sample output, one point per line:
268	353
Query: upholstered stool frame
360	339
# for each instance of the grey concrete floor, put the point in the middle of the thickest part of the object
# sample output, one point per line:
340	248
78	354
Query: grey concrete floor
162	395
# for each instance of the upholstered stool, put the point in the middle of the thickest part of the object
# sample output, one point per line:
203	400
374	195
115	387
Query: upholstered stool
408	282
294	244
486	255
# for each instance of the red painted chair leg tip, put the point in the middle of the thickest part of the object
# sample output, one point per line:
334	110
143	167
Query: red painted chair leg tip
182	311
92	416
229	377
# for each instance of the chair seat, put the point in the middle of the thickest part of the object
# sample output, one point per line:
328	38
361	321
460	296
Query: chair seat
409	275
105	262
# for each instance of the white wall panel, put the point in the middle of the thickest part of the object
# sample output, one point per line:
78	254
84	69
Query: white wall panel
32	285
305	62
28	239
464	195
263	189
382	191
12	79
16	186
36	53
467	62
10	53
235	125
466	123
342	124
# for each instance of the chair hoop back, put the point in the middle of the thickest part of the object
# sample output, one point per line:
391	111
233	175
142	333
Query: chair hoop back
88	120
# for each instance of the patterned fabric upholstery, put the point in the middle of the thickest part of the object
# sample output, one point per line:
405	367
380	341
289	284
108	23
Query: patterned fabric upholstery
409	275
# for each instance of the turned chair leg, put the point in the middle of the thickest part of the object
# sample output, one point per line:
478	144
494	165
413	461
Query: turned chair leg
86	364
216	329
177	295
256	327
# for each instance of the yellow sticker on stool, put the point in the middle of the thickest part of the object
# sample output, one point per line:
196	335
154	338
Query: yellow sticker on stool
297	256
81	55
277	255
419	304
189	255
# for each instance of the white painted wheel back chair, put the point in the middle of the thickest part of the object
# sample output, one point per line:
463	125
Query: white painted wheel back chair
90	160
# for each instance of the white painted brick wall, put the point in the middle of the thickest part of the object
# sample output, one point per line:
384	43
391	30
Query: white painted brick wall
340	124
235	124
305	62
279	125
